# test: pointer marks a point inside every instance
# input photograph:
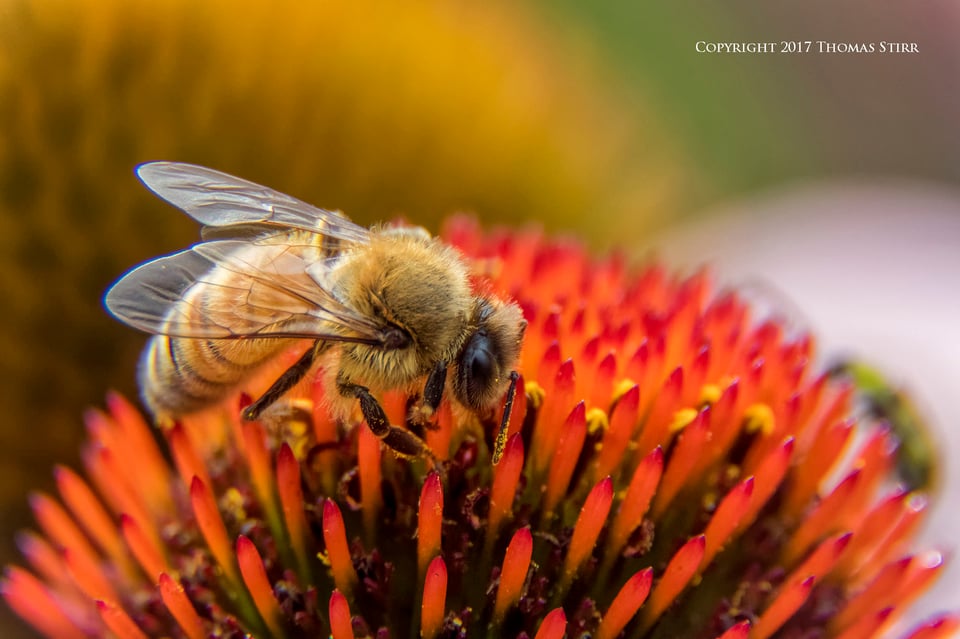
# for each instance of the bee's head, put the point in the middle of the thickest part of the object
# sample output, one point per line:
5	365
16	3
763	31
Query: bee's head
482	370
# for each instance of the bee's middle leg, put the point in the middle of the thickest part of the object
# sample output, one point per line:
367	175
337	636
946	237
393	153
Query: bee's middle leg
400	440
290	378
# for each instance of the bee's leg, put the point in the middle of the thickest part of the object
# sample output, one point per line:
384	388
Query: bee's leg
400	440
423	412
501	441
290	378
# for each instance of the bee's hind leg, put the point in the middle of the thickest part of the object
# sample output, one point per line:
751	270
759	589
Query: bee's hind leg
290	378
400	440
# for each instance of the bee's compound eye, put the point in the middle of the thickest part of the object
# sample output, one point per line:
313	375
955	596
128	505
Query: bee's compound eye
479	364
477	370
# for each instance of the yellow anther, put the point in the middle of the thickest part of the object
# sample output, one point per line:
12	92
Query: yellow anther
621	389
682	418
232	503
597	420
710	394
758	418
535	394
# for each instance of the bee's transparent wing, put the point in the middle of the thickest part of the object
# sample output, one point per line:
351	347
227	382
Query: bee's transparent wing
235	289
222	202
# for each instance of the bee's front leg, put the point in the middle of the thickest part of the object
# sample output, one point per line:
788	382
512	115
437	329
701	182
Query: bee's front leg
400	440
424	411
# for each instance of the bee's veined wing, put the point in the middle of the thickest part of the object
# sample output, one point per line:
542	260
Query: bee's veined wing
220	201
235	289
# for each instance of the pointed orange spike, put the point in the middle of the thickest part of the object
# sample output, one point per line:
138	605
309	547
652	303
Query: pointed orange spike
821	561
677	473
678	573
258	585
601	384
877	594
368	465
180	607
913	513
626	604
429	521
58	526
623	420
823	520
634	506
569	445
87	574
118	621
871	530
939	628
829	445
924	570
875	460
338	553
43	559
258	461
341	624
148	555
724	521
513	573
90	513
553	626
433	608
592	518
153	474
30	598
656	425
786	603
291	503
506	477
867	625
185	456
737	631
770	473
560	394
212	528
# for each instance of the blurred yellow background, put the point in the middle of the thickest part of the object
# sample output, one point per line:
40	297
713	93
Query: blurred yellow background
599	119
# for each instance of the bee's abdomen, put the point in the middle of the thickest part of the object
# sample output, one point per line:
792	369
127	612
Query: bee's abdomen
180	375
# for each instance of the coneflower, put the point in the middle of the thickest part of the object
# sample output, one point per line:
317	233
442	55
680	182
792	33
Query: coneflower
673	469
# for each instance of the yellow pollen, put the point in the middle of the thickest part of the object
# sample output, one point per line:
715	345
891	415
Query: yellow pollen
621	388
732	472
535	394
682	418
709	501
710	394
758	418
597	420
232	503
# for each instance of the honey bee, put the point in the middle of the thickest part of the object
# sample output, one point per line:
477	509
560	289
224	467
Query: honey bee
387	308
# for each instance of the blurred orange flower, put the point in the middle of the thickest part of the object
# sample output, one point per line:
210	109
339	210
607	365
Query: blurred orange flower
670	472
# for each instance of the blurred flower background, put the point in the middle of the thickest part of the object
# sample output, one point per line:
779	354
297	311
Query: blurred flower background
599	119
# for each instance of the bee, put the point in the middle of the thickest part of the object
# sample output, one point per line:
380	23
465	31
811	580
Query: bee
386	307
916	454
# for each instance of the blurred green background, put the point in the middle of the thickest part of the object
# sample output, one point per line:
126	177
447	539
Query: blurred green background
599	119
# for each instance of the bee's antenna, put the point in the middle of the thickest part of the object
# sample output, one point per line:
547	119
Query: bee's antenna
501	441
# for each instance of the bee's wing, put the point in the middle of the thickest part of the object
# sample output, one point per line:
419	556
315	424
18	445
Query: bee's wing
236	289
222	203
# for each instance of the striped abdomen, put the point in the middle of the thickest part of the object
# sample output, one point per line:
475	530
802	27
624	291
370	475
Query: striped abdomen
181	375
